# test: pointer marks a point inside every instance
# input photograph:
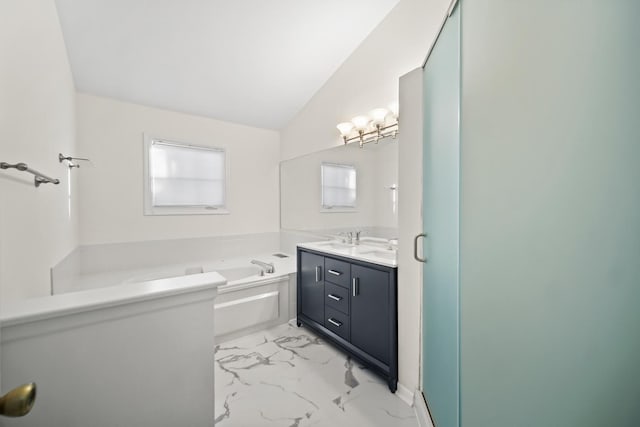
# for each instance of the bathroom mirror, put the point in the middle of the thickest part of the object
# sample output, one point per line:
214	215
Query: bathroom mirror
376	210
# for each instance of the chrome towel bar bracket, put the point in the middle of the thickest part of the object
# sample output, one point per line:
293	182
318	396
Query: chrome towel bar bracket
38	179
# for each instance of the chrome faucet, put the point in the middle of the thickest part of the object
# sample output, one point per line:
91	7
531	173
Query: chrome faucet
350	237
266	267
357	240
347	237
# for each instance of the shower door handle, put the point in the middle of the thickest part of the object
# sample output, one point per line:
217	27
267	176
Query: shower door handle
415	248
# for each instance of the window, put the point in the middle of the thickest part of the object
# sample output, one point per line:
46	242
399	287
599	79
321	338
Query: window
338	186
184	179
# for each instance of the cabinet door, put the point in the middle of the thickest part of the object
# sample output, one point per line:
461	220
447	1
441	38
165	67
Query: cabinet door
370	321
312	286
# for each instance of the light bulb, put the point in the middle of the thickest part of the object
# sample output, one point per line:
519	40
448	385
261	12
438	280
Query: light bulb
379	115
360	122
345	128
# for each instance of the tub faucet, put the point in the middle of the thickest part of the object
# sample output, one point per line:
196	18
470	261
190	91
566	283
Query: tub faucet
266	267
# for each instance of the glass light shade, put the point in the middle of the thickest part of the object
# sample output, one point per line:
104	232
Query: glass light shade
345	128
394	107
361	122
379	115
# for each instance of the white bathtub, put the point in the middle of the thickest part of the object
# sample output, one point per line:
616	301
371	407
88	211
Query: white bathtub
234	275
251	300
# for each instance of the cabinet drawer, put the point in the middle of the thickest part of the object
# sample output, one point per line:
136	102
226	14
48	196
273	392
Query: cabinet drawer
337	272
337	322
336	297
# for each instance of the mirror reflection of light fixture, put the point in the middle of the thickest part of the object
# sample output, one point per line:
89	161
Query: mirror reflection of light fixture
371	128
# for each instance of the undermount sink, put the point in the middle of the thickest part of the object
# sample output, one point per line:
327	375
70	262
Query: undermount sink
377	253
335	245
384	255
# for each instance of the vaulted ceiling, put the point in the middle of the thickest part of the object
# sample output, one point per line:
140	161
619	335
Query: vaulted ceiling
254	62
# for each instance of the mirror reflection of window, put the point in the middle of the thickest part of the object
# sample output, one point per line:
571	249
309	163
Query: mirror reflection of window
338	186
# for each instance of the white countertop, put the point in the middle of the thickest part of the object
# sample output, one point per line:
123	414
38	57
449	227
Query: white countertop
369	252
41	308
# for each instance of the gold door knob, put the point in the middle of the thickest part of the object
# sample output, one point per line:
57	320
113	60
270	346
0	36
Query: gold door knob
19	401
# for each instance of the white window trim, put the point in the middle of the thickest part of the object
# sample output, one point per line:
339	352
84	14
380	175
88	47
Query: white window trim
149	209
337	209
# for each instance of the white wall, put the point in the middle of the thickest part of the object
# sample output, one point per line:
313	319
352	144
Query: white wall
110	133
410	219
37	121
385	174
368	78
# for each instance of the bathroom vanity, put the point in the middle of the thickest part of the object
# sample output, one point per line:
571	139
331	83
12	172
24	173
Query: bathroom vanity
348	294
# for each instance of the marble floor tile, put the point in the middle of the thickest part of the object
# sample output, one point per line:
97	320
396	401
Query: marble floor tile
289	377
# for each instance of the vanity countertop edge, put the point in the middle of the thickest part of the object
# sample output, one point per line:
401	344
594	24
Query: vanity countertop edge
363	252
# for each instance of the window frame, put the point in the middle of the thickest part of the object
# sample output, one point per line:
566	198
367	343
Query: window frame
151	210
337	209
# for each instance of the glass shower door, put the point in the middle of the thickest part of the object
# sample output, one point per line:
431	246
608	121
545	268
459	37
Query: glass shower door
441	175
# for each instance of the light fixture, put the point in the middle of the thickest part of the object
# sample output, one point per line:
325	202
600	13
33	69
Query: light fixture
378	116
394	107
361	123
345	128
371	128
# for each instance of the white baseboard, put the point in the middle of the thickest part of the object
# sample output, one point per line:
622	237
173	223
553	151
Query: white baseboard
405	394
421	410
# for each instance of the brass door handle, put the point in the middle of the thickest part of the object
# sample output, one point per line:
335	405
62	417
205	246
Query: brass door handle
19	401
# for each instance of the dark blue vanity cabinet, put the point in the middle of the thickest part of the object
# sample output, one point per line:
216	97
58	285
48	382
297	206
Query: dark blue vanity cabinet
311	286
353	304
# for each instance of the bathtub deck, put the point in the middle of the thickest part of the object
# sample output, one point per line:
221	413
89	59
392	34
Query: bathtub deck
287	376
